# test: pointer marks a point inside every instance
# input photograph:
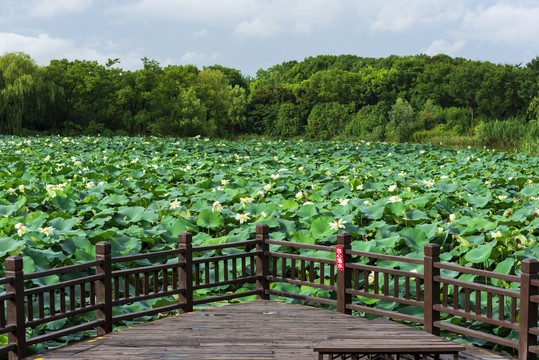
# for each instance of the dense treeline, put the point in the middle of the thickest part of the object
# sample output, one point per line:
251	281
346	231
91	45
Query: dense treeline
398	98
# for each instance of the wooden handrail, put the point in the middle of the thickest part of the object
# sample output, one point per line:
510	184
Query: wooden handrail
347	279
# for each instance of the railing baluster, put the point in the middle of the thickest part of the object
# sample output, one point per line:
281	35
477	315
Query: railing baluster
52	305
293	269
477	302
489	305
62	300
197	274
225	269
92	293
396	286
137	283
366	281
82	292
467	300
386	284
216	270
155	282
501	311
165	279
445	290
41	306
126	285
146	285
29	308
455	297
207	272
302	270
406	287
513	310
72	300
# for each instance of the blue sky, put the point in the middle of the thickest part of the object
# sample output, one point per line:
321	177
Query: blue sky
253	34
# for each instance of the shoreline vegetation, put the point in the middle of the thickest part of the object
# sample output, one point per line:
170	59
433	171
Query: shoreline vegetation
438	99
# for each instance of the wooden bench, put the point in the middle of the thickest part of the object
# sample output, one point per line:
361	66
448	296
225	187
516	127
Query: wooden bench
384	337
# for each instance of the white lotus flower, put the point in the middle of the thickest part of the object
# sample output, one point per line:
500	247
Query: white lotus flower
344	202
337	224
175	204
452	217
224	181
392	188
367	202
217	207
90	184
242	217
260	194
394	199
47	231
21	188
21	229
11	190
299	195
359	187
428	183
502	197
274	176
267	187
496	234
246	200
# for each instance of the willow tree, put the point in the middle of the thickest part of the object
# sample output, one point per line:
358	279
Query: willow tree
24	94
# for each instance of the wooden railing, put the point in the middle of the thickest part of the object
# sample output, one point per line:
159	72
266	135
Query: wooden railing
190	276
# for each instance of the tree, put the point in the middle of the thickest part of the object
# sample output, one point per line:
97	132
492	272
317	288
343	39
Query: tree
402	120
236	111
24	92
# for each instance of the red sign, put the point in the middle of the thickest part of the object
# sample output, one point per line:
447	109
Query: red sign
339	257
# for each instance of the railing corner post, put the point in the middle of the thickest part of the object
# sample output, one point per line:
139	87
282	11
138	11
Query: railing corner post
262	261
431	288
103	287
185	272
528	309
15	307
344	273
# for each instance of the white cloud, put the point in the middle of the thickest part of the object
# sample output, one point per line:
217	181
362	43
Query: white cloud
43	49
506	22
51	8
247	18
443	47
398	15
200	59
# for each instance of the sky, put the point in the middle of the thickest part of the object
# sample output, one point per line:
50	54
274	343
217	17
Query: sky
256	34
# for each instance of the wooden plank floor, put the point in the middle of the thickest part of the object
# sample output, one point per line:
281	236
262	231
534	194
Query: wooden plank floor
253	330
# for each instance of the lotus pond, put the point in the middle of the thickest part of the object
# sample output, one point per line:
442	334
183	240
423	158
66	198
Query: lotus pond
59	196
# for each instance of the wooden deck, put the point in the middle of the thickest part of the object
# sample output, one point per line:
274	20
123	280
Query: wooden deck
253	330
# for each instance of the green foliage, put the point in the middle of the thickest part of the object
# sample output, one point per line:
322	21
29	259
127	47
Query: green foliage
290	121
327	120
369	123
402	121
507	133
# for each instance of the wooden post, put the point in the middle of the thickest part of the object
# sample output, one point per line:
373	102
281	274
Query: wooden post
344	275
528	309
103	288
431	288
262	261
185	273
15	307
